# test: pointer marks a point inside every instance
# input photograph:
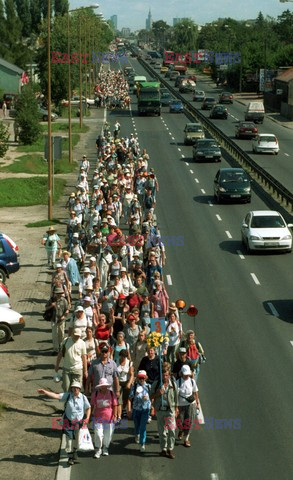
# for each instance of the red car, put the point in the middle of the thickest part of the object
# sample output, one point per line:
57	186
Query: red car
246	130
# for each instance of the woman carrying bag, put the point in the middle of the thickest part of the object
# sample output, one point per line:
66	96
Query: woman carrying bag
188	403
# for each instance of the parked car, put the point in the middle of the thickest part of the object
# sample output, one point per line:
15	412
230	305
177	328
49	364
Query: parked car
246	130
199	96
176	106
166	99
219	111
75	101
44	114
265	143
4	296
208	103
9	257
232	184
187	86
266	230
11	323
207	149
193	132
226	97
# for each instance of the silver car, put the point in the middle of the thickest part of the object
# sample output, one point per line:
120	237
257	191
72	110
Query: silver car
265	143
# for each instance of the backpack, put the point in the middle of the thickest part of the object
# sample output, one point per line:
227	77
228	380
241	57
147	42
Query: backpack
135	387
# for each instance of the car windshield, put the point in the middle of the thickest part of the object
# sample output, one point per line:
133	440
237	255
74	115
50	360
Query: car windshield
210	99
177	103
267	221
194	128
226	94
234	177
268	138
198	92
246	125
207	143
166	95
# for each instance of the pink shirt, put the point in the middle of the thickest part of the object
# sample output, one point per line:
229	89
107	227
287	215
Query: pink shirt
104	404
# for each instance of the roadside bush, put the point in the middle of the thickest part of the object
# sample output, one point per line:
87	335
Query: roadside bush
4	137
27	116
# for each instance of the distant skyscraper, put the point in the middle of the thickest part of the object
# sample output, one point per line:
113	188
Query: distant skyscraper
114	20
125	32
149	21
177	20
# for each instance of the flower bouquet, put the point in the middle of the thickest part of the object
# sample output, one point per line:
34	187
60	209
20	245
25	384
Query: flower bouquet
156	339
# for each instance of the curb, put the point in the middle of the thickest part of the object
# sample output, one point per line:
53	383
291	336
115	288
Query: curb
63	470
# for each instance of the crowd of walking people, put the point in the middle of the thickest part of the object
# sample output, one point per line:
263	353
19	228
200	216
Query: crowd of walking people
108	282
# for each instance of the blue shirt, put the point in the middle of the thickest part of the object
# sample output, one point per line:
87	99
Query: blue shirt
137	392
76	406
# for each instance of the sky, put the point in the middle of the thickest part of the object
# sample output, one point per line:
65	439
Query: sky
133	13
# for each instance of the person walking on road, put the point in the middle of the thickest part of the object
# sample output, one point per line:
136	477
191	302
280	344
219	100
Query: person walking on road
104	404
104	367
165	398
139	406
59	305
73	352
76	407
188	403
51	242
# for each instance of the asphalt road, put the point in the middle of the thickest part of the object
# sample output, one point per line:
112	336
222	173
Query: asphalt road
279	166
249	354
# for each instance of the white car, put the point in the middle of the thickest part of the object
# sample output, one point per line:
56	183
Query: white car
266	230
265	143
11	324
4	296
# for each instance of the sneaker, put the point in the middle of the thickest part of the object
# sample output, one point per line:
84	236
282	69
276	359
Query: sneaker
105	452
97	453
170	454
150	419
142	448
136	439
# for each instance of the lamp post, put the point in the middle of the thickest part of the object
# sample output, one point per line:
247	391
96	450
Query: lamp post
50	163
69	93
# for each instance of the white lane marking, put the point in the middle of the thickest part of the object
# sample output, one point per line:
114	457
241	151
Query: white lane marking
210	203
214	476
241	255
187	164
167	128
105	114
182	156
179	149
273	310
202	190
291	341
197	180
63	471
170	133
191	171
169	279
228	234
255	279
218	217
173	138
287	154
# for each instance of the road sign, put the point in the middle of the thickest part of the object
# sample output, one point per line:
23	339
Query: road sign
158	325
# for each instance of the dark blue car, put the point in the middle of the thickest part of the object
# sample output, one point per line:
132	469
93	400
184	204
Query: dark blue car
9	257
176	106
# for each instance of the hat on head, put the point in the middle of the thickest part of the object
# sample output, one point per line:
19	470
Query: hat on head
65	252
121	296
93	259
75	384
58	265
51	229
87	299
84	156
104	220
141	374
86	270
123	269
189	331
172	306
59	290
185	370
77	332
104	347
72	195
103	383
75	235
131	317
182	350
79	309
111	283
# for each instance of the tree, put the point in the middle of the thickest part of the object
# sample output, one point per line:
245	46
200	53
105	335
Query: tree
4	138
185	36
24	15
27	116
61	7
36	15
284	27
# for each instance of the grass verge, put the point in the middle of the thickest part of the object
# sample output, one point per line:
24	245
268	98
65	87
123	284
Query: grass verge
43	223
22	192
38	146
37	165
63	127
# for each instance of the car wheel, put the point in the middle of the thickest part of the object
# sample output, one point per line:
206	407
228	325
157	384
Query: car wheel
5	333
2	275
276	153
247	246
218	199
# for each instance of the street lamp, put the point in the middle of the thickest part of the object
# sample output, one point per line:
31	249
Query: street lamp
50	163
191	311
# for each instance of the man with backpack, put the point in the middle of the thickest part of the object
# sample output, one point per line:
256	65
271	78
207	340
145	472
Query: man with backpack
165	398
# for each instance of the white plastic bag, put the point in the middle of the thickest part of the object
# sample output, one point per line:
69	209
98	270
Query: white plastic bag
85	443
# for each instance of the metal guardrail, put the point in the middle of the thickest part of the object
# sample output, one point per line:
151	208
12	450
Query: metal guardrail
283	196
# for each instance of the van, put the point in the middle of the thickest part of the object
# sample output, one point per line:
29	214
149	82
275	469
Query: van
9	257
255	112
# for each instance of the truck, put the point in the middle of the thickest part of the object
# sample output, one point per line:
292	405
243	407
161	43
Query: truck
148	98
255	112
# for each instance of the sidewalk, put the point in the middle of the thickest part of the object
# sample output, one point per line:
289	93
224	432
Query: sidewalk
29	446
245	97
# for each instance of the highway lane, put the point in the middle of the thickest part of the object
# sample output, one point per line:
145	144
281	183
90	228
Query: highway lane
280	167
247	372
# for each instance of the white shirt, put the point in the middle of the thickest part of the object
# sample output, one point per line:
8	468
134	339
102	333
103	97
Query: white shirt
185	389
